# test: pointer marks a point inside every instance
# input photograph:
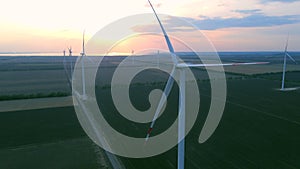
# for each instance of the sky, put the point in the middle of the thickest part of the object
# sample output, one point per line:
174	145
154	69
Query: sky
231	25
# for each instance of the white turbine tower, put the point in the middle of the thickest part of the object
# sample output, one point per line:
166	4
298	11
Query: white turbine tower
82	67
64	60
71	62
284	67
181	67
66	69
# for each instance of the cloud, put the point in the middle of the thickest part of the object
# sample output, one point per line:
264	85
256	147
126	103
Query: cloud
171	24
254	20
253	11
283	1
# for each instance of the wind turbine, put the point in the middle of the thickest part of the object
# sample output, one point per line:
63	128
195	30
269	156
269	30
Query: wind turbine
66	69
71	62
64	60
284	66
181	67
82	66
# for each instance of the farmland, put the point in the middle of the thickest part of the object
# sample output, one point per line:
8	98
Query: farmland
259	129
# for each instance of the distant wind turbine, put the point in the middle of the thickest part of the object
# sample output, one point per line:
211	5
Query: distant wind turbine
64	60
181	67
82	66
284	67
71	61
66	67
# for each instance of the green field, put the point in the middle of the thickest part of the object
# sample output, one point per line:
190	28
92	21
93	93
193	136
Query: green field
259	129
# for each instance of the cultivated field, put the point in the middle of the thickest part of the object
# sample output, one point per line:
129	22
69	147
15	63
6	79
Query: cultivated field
259	129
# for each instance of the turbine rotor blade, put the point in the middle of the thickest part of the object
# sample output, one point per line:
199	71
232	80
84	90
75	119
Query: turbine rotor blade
291	58
170	82
286	48
162	101
83	43
170	46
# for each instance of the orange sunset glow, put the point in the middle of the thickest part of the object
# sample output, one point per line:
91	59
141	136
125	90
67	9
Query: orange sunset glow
52	26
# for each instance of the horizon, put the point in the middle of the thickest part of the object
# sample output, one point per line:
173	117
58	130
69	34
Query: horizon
57	54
